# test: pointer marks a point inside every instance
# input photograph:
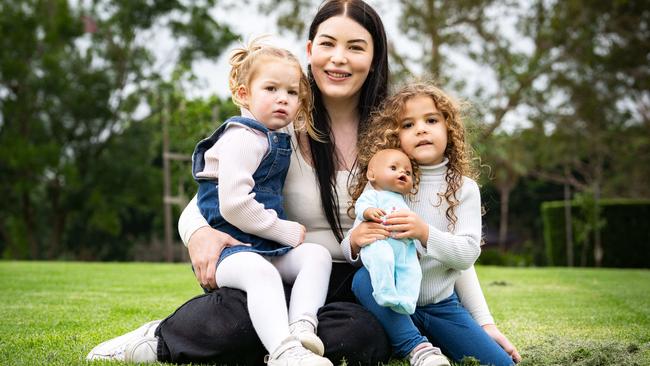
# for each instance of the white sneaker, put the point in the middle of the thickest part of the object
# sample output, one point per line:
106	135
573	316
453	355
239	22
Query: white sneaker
115	349
305	330
144	350
428	356
292	353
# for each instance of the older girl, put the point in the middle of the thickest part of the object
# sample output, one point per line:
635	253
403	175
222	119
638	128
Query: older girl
446	219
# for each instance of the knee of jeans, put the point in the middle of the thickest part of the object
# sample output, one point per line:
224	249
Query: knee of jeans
361	282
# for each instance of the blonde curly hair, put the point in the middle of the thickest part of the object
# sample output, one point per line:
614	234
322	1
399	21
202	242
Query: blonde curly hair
245	62
384	133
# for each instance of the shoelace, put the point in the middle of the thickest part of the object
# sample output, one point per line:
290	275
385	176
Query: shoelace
301	326
298	352
422	354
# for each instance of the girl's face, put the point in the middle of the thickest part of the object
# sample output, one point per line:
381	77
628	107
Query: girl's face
272	96
340	56
423	131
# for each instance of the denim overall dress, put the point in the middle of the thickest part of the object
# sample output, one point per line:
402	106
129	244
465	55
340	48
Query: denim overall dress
269	181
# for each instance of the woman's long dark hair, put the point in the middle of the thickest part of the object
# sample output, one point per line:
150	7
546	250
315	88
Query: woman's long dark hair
373	92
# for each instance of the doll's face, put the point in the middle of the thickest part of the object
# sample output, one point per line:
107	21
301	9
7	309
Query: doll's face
391	170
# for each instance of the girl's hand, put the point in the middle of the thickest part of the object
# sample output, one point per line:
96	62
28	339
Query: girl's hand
205	247
407	224
374	214
495	333
366	233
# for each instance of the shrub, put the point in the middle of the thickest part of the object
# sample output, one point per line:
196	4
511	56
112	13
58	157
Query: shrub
495	257
625	233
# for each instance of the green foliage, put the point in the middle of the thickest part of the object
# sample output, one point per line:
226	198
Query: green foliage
79	174
54	313
495	257
625	234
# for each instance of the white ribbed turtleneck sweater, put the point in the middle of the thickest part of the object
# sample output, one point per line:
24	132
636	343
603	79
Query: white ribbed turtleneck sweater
445	254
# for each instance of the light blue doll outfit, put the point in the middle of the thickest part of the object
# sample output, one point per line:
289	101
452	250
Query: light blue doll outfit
393	264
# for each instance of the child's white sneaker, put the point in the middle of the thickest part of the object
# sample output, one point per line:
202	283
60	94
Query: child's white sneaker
305	330
115	349
292	353
428	356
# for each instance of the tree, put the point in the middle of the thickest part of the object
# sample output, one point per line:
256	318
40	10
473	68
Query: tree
599	89
75	84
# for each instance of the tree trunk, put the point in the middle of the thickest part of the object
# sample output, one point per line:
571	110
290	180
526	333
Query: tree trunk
58	220
503	221
30	227
568	225
598	247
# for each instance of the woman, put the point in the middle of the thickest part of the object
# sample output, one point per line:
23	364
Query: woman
348	71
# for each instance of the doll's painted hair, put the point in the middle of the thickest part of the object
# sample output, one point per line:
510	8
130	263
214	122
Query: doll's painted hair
386	123
246	61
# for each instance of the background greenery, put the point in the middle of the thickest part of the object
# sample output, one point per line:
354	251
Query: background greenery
55	312
559	110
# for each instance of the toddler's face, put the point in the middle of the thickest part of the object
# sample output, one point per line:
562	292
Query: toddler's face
391	170
272	96
423	131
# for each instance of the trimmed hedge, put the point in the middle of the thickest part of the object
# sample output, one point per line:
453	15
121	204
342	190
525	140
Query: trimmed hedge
625	236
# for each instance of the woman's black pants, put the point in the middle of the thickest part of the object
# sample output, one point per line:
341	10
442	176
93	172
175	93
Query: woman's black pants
215	328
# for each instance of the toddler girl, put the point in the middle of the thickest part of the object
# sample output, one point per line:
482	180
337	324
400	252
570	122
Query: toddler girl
241	169
446	220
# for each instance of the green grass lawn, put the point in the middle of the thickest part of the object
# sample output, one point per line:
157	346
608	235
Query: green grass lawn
55	312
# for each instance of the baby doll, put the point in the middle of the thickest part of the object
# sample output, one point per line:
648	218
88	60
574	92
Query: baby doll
392	263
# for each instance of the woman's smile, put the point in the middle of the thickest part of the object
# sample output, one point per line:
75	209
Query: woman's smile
340	57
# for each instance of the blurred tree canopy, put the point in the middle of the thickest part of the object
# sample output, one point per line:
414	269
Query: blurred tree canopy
560	101
571	103
79	151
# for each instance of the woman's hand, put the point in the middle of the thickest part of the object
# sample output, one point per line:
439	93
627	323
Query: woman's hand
205	247
407	224
366	233
495	333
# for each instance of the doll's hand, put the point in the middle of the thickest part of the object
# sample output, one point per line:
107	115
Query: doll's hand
407	224
374	214
502	340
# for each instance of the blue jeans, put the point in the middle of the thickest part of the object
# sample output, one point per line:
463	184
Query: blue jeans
446	325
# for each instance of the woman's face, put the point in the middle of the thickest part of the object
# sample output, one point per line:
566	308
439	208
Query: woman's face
340	56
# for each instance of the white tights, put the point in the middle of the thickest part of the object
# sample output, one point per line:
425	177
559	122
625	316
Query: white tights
307	266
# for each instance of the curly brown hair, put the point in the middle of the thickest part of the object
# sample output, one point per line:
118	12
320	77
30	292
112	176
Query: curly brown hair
384	134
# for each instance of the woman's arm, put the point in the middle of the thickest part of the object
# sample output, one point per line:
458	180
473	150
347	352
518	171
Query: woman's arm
361	234
471	296
204	244
190	221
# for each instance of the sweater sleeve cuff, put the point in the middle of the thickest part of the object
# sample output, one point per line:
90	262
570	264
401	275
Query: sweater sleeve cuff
286	232
190	221
485	320
346	248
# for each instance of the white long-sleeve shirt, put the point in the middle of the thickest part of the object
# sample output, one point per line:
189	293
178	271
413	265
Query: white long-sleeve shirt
302	204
